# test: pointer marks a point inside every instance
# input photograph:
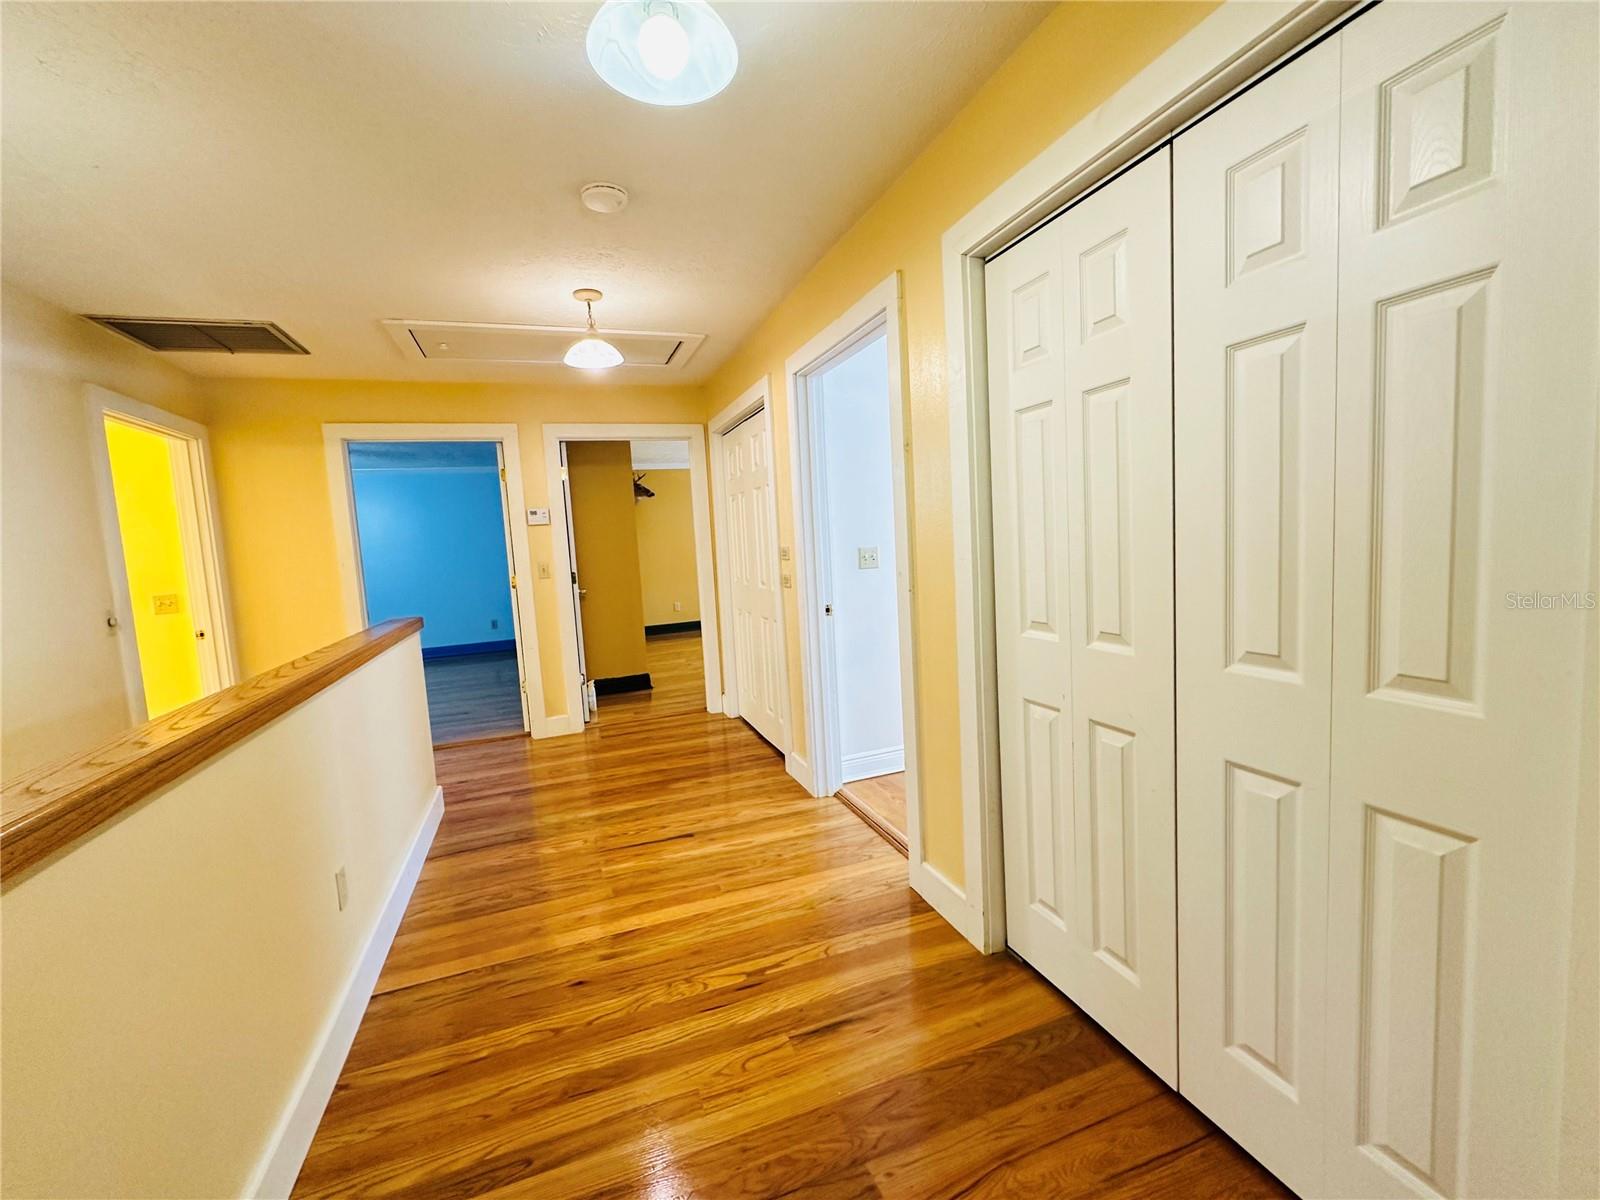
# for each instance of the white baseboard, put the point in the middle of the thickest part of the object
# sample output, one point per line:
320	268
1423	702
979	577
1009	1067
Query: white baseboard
275	1174
800	770
950	902
888	761
561	726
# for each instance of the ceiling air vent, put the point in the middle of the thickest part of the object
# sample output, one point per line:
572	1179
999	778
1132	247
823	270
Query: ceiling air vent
206	337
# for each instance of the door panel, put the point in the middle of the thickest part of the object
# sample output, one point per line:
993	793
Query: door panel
1255	193
1465	462
1081	437
758	665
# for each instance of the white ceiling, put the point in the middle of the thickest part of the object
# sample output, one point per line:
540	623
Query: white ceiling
328	165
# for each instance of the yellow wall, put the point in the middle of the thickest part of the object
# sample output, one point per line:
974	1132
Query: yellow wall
266	440
61	685
666	549
601	477
152	551
1078	56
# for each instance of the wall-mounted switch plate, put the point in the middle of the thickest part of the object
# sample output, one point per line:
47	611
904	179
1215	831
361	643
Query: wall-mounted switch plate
787	579
167	604
342	887
677	606
867	558
538	516
783	554
544	570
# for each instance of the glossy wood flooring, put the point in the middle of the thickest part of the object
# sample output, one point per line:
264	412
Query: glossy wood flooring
473	696
642	962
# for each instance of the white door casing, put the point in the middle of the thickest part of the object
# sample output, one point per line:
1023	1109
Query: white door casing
1255	239
1467	382
586	692
516	582
1081	444
753	584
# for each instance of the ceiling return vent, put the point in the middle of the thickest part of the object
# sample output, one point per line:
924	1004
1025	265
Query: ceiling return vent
463	341
205	337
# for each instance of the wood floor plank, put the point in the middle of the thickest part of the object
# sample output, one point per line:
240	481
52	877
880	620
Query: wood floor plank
642	961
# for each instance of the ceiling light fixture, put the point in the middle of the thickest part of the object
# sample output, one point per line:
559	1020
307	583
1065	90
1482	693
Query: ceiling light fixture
591	353
669	52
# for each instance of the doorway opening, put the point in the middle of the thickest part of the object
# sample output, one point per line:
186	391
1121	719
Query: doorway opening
630	523
433	540
854	580
631	545
164	559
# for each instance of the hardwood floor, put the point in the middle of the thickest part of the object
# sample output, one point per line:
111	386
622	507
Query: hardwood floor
473	696
880	801
677	681
642	962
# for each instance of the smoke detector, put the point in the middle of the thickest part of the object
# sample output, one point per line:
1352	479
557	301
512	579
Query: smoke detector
603	197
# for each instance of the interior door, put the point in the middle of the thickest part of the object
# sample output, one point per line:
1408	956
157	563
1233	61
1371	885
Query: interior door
1081	438
515	583
586	693
758	650
1255	242
1467	390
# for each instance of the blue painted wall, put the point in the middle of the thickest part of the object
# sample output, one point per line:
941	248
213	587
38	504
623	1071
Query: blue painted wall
433	539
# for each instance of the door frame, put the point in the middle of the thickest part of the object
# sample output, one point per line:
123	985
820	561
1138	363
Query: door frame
705	584
1225	53
878	312
191	441
755	402
335	439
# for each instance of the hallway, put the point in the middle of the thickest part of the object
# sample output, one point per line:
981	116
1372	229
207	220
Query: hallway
642	961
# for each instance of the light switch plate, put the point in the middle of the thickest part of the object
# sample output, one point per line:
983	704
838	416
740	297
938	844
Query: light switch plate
867	558
538	516
166	604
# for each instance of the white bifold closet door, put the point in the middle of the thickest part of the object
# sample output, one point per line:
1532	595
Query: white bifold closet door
1255	235
1465	475
1386	427
1081	442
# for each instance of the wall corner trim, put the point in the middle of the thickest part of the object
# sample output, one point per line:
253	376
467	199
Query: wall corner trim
279	1167
951	903
800	770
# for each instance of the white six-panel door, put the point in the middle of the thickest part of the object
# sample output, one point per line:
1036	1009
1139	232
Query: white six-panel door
758	666
1081	433
1465	467
1255	236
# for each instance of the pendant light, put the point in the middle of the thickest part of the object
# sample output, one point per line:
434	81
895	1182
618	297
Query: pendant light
591	353
670	52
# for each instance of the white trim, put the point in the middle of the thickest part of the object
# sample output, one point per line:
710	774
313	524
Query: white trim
799	770
191	453
280	1165
949	901
871	763
1219	56
342	501
699	497
757	398
879	310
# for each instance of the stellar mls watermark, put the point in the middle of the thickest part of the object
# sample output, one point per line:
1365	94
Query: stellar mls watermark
1549	600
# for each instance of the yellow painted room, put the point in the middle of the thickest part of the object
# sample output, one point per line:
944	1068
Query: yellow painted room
766	598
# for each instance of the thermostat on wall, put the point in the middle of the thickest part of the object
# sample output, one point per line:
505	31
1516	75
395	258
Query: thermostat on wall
538	516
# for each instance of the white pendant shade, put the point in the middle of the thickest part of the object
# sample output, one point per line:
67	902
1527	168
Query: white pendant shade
592	354
669	52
